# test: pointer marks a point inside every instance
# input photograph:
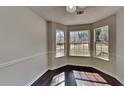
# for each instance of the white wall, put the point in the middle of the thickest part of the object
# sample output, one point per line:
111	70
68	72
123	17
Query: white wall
120	45
23	46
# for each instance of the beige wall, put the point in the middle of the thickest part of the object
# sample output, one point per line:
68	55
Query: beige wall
120	45
23	49
110	65
106	66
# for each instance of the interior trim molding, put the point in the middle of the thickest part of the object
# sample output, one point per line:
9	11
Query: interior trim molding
80	64
36	78
55	67
95	68
119	79
16	61
104	71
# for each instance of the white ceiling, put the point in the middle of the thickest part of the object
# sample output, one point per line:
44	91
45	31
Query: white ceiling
58	14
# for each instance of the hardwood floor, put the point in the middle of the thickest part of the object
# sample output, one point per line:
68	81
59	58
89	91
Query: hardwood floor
46	79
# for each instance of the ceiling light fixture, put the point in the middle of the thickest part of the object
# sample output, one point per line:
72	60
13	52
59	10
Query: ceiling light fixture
78	9
71	9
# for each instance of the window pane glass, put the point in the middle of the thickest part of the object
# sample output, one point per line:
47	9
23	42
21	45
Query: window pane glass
59	43
79	43
102	42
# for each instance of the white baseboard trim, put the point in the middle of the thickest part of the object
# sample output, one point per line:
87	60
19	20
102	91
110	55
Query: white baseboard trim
104	71
119	79
82	65
95	68
36	78
79	65
55	67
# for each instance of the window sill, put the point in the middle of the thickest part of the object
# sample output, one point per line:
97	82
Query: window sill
60	57
80	56
100	58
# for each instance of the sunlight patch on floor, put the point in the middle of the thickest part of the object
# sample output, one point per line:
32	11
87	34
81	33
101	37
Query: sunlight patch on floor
58	80
89	79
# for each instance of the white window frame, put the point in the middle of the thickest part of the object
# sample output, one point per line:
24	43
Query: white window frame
56	44
89	44
102	43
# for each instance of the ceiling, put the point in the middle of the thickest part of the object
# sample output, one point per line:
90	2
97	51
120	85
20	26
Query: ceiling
58	14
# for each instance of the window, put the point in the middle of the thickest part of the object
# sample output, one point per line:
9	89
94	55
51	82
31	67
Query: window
102	42
60	43
79	43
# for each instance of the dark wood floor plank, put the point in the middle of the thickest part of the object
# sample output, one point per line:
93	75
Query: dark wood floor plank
45	80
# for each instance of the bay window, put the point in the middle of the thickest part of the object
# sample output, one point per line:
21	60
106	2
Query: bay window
79	43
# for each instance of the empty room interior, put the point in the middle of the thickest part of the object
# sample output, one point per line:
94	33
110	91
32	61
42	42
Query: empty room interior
61	45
